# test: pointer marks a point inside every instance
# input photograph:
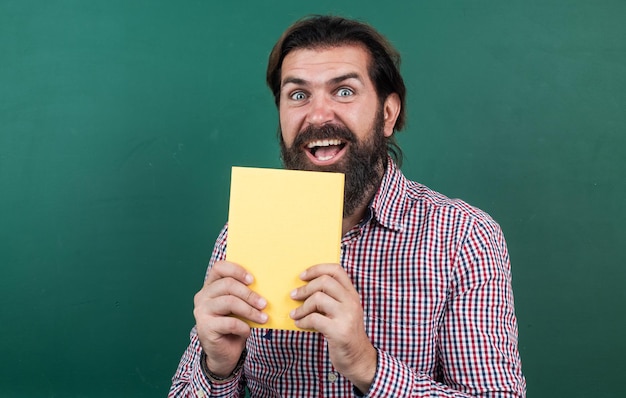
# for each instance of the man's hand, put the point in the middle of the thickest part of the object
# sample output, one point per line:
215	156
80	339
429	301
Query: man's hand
332	306
222	335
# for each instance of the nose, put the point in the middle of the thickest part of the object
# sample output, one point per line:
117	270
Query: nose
320	111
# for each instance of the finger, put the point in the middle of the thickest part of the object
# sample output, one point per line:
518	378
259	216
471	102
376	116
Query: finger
230	325
231	305
232	287
316	322
228	306
226	269
333	270
324	284
319	303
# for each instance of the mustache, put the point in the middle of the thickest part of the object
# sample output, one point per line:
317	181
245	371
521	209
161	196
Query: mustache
324	132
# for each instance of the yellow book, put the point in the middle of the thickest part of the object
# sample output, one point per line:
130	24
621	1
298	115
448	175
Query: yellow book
281	222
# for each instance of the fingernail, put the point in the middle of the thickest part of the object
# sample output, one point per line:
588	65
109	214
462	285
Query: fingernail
292	313
262	302
303	275
293	293
263	317
248	279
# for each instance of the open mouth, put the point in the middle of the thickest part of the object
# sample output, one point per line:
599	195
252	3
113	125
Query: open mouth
324	150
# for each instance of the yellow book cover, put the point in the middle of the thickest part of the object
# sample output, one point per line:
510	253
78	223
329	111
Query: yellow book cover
281	222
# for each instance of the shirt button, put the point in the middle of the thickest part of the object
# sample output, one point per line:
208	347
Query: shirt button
200	394
332	377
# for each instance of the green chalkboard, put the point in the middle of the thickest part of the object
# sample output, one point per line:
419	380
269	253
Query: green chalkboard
120	120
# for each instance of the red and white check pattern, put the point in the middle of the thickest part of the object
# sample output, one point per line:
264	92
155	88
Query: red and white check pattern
435	284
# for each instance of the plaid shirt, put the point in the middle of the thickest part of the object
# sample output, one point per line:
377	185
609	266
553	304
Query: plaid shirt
434	278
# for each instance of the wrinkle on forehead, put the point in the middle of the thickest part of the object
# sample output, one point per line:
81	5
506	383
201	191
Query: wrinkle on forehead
324	63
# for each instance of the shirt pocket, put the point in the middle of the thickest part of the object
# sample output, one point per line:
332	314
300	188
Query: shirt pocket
404	320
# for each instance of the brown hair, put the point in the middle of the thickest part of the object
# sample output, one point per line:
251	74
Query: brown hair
318	31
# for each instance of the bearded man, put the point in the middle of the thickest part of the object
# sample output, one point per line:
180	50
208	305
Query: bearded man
421	304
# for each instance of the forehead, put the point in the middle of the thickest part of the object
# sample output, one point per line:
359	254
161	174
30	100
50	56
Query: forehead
326	62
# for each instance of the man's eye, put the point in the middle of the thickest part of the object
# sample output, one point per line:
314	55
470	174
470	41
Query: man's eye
298	96
345	92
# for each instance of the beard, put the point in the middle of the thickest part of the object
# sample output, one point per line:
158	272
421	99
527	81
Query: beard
363	164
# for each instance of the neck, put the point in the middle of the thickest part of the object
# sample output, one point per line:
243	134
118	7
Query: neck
349	221
356	216
353	219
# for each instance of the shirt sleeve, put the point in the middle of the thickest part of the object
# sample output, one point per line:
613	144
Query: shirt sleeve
189	379
477	347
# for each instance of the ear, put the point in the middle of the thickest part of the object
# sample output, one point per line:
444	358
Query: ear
391	110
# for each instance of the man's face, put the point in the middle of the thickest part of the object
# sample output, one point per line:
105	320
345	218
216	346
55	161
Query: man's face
331	118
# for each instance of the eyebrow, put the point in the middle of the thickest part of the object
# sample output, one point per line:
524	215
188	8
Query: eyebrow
333	81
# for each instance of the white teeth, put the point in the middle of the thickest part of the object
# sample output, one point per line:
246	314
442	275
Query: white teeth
323	143
324	158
